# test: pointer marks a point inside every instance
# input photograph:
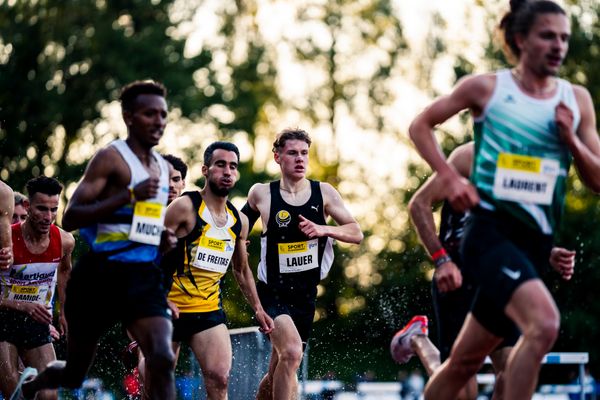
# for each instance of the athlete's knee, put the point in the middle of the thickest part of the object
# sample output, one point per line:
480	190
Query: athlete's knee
542	334
160	361
217	378
291	356
499	385
464	365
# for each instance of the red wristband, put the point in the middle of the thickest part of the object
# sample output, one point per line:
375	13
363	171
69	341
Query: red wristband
438	254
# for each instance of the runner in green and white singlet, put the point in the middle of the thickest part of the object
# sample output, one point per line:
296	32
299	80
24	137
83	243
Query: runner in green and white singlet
528	126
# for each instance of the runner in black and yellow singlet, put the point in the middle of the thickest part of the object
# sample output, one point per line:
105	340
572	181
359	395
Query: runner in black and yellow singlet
211	234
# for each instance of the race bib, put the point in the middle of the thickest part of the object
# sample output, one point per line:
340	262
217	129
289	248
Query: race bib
213	254
525	179
148	222
30	294
298	256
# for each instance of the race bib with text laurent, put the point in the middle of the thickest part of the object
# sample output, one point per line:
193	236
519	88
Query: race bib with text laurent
525	179
213	254
298	256
148	222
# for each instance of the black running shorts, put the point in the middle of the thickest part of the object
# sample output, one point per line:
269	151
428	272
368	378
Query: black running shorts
500	253
188	324
23	331
300	308
102	292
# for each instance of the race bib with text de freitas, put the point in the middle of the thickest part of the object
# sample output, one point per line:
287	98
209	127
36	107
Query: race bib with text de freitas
298	256
213	254
525	179
148	222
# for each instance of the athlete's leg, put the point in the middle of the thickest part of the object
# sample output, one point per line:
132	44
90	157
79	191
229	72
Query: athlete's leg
473	344
265	388
39	358
9	364
81	349
154	337
535	313
427	352
287	344
212	348
499	358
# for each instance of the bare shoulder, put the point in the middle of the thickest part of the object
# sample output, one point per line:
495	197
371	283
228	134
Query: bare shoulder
182	204
259	191
479	86
68	241
105	162
582	95
329	192
6	193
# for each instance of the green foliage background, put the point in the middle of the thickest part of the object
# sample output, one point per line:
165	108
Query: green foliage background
61	61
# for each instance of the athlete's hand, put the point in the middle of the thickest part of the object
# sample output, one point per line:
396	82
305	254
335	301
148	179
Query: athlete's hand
266	323
447	277
563	117
6	257
168	240
174	309
146	189
459	192
36	311
563	262
54	333
311	229
62	321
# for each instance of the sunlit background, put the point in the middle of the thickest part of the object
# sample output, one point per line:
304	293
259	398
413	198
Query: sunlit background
351	73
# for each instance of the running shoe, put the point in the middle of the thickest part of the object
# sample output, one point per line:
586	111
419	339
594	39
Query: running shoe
400	347
27	375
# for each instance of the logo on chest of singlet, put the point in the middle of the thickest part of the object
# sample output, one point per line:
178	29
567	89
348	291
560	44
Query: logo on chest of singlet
283	218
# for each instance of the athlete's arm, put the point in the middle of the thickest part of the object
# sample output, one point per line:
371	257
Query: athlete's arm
584	145
259	200
471	93
7	207
64	271
84	208
181	216
245	279
447	275
347	229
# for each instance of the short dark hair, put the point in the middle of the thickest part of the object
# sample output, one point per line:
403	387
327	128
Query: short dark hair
520	19
177	163
208	153
131	91
45	185
290	134
19	198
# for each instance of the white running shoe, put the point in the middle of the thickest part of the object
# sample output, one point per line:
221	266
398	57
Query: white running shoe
27	375
400	347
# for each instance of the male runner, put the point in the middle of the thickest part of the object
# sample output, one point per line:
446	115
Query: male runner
296	254
527	122
42	263
20	211
7	206
452	291
132	355
212	233
119	206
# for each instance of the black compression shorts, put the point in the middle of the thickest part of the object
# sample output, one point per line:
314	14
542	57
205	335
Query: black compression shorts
102	292
188	324
501	254
23	331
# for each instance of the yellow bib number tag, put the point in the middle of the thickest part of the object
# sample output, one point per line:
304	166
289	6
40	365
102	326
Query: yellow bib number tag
148	222
525	179
298	256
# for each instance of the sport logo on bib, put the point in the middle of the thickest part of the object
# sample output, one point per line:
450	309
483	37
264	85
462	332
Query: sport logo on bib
525	179
298	256
147	224
213	254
